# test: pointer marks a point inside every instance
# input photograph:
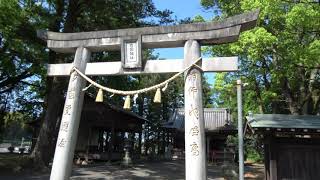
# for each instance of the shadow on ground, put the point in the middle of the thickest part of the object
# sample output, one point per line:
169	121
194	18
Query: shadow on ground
149	170
159	170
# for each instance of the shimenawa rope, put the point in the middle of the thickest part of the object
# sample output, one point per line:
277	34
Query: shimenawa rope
120	92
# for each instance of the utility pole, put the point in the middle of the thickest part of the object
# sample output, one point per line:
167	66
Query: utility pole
240	129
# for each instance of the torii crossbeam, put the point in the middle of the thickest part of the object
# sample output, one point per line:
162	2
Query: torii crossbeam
130	42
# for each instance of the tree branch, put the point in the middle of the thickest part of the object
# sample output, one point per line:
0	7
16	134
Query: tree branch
306	67
30	84
298	2
12	81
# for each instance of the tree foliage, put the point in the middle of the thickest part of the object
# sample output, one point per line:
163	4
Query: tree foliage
27	94
22	56
15	126
279	59
23	84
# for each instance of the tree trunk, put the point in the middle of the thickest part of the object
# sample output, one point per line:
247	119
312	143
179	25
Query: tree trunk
44	148
314	92
292	104
146	140
54	101
260	101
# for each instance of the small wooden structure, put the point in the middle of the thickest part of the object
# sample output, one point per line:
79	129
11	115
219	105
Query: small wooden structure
218	126
291	145
102	130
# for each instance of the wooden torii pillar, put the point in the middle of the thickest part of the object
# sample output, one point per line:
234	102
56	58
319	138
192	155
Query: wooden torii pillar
130	41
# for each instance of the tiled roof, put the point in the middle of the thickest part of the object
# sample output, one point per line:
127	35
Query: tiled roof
214	118
284	121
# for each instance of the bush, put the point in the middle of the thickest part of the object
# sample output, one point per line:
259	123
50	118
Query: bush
14	163
254	149
254	156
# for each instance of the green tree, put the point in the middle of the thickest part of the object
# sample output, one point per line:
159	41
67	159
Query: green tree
22	58
20	51
279	59
24	85
16	127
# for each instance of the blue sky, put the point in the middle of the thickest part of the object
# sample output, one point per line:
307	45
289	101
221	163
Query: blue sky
182	9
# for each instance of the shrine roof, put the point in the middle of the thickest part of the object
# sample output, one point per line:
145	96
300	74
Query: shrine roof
215	119
106	115
284	121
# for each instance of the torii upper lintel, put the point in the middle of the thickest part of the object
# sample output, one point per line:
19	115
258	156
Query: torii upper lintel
207	33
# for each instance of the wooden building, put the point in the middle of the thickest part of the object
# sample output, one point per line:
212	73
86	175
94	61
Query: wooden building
291	145
218	126
103	130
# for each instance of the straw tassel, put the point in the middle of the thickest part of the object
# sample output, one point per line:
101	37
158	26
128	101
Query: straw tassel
157	96
127	103
165	87
99	97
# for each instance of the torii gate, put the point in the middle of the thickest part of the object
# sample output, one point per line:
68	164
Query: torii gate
130	41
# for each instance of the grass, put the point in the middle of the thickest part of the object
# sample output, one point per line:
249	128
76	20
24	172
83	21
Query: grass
14	163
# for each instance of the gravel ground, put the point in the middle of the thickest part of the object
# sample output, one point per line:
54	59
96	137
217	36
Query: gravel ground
147	170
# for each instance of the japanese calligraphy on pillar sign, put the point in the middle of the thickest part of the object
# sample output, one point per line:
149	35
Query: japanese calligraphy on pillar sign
194	131
192	78
71	93
131	53
62	142
67	109
64	126
193	112
74	76
67	112
194	149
